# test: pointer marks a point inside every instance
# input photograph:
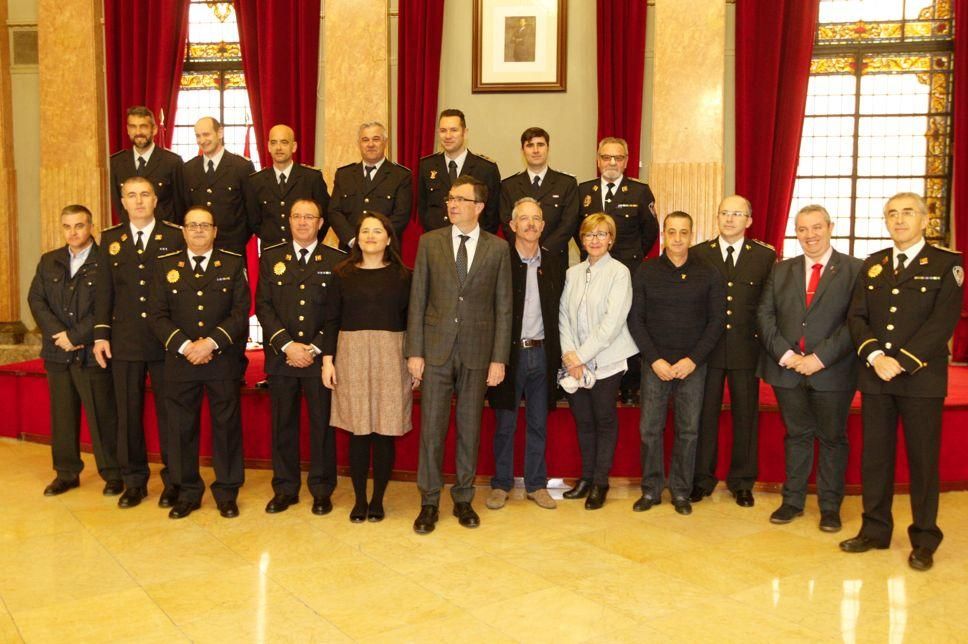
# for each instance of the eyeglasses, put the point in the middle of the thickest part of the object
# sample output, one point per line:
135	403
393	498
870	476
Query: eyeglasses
460	201
601	235
303	217
608	158
732	214
902	214
196	225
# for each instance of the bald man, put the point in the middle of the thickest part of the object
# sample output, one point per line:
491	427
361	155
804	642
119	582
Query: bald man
270	192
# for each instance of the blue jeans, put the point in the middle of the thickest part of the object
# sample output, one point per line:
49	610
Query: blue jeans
655	396
531	380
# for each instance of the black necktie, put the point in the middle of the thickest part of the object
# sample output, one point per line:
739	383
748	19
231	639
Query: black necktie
198	264
141	166
302	255
211	168
536	183
369	174
140	244
462	260
282	180
609	195
901	258
730	264
452	173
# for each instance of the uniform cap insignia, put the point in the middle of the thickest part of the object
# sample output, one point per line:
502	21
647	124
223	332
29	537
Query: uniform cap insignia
625	188
318	257
683	276
181	264
595	188
922	261
433	174
158	237
217	263
279	268
587	202
875	270
114	248
884	261
173	276
124	237
288	257
959	274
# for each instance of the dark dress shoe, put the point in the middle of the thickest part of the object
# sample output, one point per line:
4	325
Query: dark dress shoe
830	521
113	488
644	503
698	494
375	512
358	513
322	505
280	502
580	491
785	514
744	498
168	498
427	519
596	497
132	497
228	509
182	509
860	543
921	559
466	516
682	506
59	486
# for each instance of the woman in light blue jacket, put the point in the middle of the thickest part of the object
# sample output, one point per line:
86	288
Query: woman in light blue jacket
595	345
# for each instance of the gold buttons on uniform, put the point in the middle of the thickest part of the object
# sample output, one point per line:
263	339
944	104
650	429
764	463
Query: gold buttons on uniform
300	334
208	190
894	291
199	293
890	327
302	302
729	298
142	282
301	318
728	312
302	287
142	298
893	309
729	283
924	290
201	308
888	345
729	326
143	314
200	323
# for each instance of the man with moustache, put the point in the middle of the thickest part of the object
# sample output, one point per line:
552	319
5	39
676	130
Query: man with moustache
270	192
214	181
438	172
291	302
199	310
373	184
809	361
61	299
127	262
145	159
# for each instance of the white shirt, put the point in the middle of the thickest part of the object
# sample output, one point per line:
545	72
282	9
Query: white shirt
145	233
144	155
78	260
191	264
296	248
541	175
459	160
215	158
737	248
376	167
808	265
287	171
471	244
604	184
909	254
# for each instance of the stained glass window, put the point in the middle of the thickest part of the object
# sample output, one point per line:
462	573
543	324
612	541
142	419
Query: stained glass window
878	118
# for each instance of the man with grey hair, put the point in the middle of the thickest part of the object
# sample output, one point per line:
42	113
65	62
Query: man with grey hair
536	283
809	361
374	184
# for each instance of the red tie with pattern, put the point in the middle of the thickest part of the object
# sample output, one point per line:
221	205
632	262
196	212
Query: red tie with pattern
811	289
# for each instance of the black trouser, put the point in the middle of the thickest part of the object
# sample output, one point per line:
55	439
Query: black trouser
184	402
284	394
921	420
744	398
596	420
71	387
383	448
129	389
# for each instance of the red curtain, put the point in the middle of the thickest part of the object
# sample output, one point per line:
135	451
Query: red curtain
621	73
421	29
280	56
144	53
774	43
960	158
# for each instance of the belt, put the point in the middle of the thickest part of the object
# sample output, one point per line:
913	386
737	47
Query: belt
527	343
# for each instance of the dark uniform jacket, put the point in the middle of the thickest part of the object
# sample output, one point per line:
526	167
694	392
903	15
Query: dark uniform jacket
551	281
292	303
910	318
185	307
60	302
223	195
558	196
164	170
268	206
389	193
434	185
122	290
633	209
739	346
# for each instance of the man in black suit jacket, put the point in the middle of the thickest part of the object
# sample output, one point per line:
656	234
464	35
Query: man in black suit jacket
905	306
556	192
126	265
270	192
200	310
809	361
214	180
375	184
145	159
745	265
437	172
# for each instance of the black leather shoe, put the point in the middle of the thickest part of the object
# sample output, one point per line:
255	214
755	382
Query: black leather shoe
921	559
580	491
59	486
228	509
466	516
644	503
375	512
830	521
427	519
698	494
168	498
280	502
132	497
682	506
744	498
359	511
596	497
785	514
860	543
322	505
182	509
113	488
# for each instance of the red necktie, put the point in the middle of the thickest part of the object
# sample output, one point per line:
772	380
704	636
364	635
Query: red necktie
811	289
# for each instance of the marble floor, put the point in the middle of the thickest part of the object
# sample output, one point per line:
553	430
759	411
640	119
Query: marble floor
76	568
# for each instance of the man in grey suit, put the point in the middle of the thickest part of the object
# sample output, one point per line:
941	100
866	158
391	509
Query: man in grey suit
810	363
458	339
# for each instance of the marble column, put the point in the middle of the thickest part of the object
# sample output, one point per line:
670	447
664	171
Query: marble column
73	160
11	328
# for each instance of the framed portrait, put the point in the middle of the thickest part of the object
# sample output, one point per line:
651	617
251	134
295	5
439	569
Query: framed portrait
519	46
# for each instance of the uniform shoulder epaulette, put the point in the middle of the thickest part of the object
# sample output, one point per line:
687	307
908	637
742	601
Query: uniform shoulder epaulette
567	174
763	244
276	245
171	254
115	226
634	180
120	152
311	167
484	156
336	250
347	166
229	252
948	250
170	224
252	174
432	154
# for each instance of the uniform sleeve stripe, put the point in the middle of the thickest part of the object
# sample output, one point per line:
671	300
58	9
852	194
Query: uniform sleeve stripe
226	333
864	344
275	334
912	357
173	334
102	326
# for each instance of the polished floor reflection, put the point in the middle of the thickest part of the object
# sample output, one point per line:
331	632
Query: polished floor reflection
77	568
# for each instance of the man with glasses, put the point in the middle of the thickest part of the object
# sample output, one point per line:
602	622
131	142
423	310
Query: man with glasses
458	340
295	280
745	264
905	306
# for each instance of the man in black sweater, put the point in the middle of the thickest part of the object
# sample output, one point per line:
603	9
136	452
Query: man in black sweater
677	316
